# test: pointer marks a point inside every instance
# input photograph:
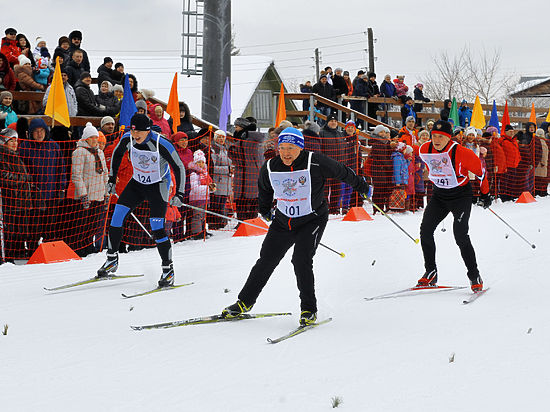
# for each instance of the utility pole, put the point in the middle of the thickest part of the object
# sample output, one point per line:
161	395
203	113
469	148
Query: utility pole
371	49
317	64
217	56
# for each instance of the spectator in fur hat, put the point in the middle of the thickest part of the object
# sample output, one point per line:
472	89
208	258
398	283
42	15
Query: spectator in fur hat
62	50
118	91
7	76
76	40
311	131
141	107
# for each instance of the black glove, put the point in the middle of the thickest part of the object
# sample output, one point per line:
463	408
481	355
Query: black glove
177	200
268	217
485	200
111	187
85	201
365	190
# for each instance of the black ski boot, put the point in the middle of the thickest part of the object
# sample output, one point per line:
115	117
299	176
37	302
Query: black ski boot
235	310
109	267
167	277
429	279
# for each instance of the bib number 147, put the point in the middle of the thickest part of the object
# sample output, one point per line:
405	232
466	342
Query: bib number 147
443	182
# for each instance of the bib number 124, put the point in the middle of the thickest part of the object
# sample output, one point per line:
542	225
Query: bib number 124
144	179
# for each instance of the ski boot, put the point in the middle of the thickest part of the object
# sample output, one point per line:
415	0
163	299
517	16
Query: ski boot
109	267
477	284
429	279
167	277
235	310
307	318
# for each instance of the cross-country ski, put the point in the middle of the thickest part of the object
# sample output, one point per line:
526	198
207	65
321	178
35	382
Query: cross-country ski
415	291
155	290
297	331
92	280
475	296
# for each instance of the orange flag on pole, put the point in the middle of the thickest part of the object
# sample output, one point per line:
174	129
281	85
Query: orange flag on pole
533	116
56	107
505	118
173	106
281	108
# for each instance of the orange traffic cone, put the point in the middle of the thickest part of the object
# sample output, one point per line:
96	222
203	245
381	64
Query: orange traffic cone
526	197
356	214
51	252
247	230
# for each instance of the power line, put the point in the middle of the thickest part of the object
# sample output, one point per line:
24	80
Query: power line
302	41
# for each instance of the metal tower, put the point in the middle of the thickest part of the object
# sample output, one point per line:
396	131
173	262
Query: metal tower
192	37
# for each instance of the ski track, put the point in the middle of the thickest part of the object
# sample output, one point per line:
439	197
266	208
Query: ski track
74	349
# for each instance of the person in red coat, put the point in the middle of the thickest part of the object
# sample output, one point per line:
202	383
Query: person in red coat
509	185
449	165
9	47
7	77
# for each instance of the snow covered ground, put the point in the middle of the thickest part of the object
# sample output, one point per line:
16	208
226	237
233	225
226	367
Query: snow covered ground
74	351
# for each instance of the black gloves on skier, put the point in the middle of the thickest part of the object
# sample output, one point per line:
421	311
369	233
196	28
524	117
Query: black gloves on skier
177	200
365	190
268	217
485	200
111	186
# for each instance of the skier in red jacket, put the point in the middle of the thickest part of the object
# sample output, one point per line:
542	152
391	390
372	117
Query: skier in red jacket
449	164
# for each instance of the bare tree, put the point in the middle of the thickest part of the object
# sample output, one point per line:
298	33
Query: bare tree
467	75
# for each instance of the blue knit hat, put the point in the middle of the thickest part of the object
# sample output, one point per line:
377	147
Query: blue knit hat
292	135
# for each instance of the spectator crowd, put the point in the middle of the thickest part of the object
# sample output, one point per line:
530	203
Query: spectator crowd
53	180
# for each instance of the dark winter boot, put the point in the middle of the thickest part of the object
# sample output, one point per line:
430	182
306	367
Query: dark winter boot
167	277
429	279
477	284
109	267
307	318
235	310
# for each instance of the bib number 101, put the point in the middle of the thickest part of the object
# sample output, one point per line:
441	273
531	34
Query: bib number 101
144	179
292	210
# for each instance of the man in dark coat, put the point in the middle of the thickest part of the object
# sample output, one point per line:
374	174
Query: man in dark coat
75	67
323	89
372	91
339	84
105	72
247	157
359	90
76	39
418	98
87	104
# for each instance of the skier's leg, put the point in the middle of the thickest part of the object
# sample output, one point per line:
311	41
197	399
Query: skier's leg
461	209
434	213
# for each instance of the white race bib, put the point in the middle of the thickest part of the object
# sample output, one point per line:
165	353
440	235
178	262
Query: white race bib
292	190
442	172
146	165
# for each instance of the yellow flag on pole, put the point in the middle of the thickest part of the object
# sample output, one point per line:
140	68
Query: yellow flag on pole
548	116
478	118
57	107
533	116
281	108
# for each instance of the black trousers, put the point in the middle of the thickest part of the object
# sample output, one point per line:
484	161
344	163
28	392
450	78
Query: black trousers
457	201
132	196
305	237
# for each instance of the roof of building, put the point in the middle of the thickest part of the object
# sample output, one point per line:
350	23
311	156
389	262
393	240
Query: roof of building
528	82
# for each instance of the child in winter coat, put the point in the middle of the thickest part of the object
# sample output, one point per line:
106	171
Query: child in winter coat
41	76
201	185
38	51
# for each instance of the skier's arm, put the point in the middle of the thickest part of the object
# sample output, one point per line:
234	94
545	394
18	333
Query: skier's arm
168	151
331	168
467	160
265	191
118	153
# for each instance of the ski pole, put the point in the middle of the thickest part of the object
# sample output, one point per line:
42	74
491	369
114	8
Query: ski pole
200	209
394	222
515	231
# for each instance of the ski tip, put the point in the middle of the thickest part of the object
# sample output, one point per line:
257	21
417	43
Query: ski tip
269	340
136	327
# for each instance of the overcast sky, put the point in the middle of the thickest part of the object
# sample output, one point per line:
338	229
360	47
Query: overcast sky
408	33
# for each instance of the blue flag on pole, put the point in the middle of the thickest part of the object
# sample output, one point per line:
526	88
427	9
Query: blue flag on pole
128	106
494	117
225	110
